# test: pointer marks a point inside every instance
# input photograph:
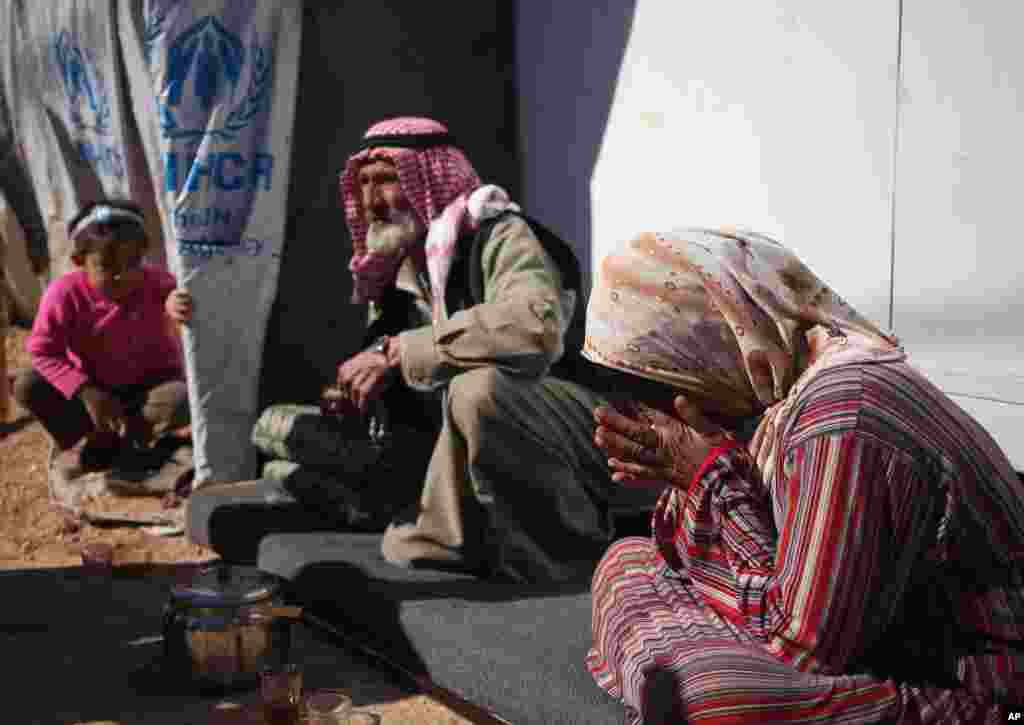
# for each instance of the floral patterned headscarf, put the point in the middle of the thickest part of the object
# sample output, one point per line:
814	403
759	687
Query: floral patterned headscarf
719	314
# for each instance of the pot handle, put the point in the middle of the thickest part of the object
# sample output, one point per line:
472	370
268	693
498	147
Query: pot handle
285	612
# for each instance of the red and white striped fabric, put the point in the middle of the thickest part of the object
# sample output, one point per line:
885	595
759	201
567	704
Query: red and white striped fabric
809	593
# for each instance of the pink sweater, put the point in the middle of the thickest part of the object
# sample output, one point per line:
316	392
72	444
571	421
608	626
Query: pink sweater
81	336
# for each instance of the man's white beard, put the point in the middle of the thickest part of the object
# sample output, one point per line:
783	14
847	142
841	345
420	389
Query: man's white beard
395	236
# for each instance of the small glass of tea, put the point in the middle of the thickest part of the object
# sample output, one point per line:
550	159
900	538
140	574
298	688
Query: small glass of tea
335	401
328	708
281	693
98	559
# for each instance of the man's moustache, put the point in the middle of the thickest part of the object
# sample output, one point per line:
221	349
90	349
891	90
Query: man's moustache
391	237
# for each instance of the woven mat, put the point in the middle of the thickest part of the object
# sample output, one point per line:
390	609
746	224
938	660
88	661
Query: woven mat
126	494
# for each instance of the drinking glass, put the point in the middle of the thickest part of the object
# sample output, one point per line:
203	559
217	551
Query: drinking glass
281	693
328	708
97	559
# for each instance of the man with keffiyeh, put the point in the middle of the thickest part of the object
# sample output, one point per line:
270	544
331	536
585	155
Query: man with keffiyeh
515	485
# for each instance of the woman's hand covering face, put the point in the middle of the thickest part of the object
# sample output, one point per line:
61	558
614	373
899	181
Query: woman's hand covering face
647	447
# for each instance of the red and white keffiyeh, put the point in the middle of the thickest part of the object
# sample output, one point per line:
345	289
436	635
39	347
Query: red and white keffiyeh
444	191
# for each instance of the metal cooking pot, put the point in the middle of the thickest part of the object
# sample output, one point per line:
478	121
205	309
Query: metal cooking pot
225	624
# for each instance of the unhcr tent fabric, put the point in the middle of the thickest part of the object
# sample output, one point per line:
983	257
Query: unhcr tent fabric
185	107
23	249
214	86
62	79
17	269
189	104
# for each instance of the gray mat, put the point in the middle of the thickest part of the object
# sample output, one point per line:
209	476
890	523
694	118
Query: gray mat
516	651
233	519
85	649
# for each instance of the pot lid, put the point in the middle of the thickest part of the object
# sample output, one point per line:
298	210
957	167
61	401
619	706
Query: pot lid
226	586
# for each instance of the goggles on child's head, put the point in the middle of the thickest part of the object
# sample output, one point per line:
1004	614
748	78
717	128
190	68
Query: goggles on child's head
102	220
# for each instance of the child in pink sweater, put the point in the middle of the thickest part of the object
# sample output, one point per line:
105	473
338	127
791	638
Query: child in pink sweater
106	362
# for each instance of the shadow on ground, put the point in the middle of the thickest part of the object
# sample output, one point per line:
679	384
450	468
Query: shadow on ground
14	426
81	649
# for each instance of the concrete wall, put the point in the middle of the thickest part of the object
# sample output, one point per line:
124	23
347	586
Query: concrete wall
959	293
781	122
786	116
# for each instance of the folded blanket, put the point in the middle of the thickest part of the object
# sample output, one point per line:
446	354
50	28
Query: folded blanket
300	433
328	492
351	503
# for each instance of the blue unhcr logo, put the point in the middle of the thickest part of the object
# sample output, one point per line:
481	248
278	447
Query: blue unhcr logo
154	27
225	171
205	63
203	250
87	96
89	105
85	91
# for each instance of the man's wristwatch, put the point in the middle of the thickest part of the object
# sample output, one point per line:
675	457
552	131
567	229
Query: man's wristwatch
380	345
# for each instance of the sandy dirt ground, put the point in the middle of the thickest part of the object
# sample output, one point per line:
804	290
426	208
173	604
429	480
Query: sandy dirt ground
35	541
33	533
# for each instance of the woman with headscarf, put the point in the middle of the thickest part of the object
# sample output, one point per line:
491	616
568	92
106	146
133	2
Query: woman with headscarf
859	560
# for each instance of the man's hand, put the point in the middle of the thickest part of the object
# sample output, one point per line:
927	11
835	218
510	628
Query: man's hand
106	411
178	306
368	375
649	448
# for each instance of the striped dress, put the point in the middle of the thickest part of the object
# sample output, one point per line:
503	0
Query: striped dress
871	573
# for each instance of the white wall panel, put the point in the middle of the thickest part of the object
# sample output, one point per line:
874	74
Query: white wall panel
777	116
959	304
780	115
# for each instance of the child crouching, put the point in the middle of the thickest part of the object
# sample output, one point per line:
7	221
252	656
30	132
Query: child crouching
106	361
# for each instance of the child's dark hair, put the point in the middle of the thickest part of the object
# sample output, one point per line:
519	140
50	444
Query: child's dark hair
115	224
